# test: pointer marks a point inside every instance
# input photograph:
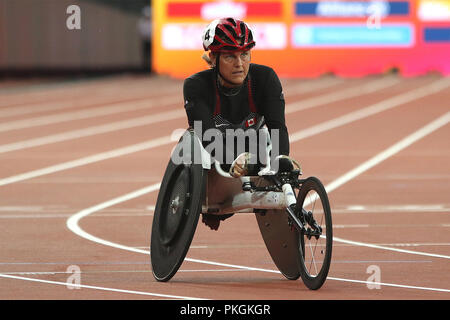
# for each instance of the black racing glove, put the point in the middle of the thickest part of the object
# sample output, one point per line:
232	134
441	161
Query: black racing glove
284	163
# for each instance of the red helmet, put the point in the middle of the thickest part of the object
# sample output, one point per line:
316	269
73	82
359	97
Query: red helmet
228	34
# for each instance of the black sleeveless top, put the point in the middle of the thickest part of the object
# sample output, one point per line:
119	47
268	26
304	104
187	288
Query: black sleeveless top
259	101
253	120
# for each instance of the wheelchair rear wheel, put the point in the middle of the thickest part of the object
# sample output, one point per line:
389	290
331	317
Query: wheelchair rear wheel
177	210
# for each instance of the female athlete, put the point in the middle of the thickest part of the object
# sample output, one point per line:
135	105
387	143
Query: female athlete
235	94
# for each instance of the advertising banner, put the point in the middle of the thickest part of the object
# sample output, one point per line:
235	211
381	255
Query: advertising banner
309	38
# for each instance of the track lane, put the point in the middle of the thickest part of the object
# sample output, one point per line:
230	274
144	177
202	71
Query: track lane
217	278
404	286
297	135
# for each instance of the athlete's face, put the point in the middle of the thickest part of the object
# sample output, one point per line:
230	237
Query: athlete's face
234	67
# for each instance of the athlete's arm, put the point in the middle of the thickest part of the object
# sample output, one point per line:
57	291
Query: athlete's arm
273	107
197	105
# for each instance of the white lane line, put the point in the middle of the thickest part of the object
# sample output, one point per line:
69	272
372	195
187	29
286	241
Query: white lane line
111	109
101	288
27	273
68	263
401	208
124	124
311	86
211	270
72	222
33	99
384	105
389	152
72	225
419	244
194	260
24	273
384	225
389	284
93	130
296	136
347	93
397	210
66	215
196	298
81	99
106	92
374	246
345	226
429	244
380	157
87	160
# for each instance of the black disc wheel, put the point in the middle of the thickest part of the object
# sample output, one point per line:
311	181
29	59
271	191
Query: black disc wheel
174	208
316	240
175	219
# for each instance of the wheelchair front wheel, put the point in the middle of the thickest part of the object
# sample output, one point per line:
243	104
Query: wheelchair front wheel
316	238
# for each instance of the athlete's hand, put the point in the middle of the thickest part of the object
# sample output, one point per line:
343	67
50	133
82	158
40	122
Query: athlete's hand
285	164
239	167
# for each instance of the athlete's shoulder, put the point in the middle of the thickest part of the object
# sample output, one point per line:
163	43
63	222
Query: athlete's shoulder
202	76
196	83
264	77
261	70
263	74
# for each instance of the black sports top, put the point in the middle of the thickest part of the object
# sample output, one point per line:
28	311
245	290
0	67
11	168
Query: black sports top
260	100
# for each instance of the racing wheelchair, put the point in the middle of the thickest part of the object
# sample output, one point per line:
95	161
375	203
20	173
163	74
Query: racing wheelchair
293	214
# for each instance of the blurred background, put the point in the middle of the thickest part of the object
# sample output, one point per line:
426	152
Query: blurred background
297	38
74	37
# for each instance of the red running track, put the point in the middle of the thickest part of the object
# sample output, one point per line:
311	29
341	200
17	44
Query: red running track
379	144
